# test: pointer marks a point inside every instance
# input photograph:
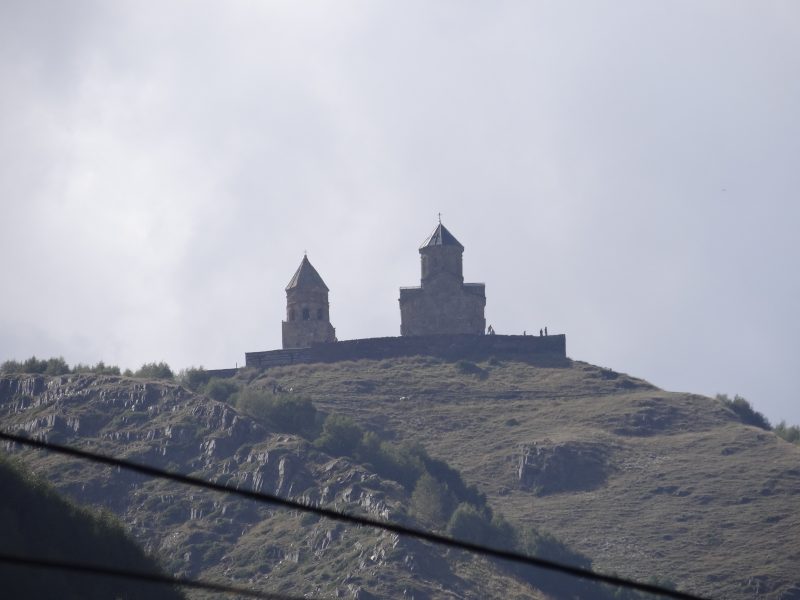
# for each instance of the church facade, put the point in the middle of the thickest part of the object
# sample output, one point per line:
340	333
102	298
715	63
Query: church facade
442	303
443	316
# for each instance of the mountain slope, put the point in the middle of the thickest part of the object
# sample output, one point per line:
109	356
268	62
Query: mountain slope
215	536
645	482
37	523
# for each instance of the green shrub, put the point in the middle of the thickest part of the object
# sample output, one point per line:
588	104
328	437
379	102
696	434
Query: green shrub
469	524
744	410
220	389
11	366
107	370
340	435
294	413
401	463
370	447
194	378
56	366
470	368
51	366
100	368
547	546
34	365
790	433
153	370
452	479
431	501
406	463
286	412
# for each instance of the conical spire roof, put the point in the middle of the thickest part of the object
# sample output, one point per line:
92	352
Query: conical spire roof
441	237
306	276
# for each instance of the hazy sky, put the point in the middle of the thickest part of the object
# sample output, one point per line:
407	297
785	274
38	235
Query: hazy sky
626	173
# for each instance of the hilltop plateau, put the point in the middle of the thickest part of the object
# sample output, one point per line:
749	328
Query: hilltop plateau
645	483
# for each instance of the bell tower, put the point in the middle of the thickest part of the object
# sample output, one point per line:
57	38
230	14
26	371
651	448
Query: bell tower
307	309
442	304
442	257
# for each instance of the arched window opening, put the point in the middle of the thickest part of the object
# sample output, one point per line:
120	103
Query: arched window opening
291	315
306	314
319	314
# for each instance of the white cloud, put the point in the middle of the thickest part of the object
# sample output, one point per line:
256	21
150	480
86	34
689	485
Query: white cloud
622	172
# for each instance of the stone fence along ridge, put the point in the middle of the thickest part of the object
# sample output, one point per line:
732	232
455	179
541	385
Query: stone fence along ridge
453	347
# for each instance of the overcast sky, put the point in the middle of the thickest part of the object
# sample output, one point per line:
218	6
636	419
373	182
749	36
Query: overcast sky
625	172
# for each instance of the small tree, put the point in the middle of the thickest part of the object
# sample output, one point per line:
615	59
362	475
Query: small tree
370	447
453	480
293	413
34	365
340	435
431	501
153	370
401	463
285	412
56	366
220	389
469	524
547	546
11	366
790	433
103	369
194	378
51	366
744	410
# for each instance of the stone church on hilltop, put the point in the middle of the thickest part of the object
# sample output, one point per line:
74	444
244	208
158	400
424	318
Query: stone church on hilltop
442	304
441	317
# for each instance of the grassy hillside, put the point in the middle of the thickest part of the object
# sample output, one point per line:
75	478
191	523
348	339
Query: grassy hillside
200	534
36	522
644	482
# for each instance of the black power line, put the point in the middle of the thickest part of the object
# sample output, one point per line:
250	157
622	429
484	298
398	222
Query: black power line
435	538
99	570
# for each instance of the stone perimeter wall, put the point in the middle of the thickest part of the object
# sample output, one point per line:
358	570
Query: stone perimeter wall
452	347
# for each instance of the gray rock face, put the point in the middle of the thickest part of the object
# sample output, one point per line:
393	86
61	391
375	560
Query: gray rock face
549	468
200	533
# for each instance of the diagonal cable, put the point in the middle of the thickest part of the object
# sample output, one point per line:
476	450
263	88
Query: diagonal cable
90	569
421	534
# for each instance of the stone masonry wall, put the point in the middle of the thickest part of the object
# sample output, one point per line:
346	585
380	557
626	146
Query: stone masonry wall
442	307
450	347
301	334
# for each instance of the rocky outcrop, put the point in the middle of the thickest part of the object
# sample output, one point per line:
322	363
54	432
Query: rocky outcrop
549	468
196	531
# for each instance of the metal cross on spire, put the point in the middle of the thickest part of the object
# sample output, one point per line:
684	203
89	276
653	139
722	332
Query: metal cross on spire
440	218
